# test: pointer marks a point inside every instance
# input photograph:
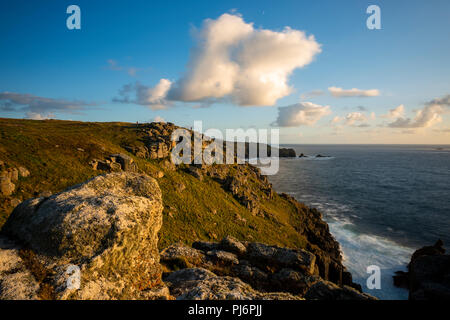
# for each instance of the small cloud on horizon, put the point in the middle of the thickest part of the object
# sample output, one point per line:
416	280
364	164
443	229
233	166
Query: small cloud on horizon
395	113
158	119
426	117
311	94
114	65
354	92
39	116
302	113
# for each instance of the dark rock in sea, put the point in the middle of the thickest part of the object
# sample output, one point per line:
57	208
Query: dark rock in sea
428	276
286	153
302	155
321	156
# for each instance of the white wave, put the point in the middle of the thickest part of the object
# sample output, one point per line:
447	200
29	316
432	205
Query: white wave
362	250
314	158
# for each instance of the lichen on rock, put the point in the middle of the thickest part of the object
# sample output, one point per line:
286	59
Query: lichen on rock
107	226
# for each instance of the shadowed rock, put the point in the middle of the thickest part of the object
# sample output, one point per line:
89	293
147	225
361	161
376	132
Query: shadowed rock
428	276
201	284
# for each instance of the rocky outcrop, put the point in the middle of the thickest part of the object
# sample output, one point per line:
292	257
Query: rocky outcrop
322	244
114	163
106	229
157	143
250	188
236	179
325	290
156	140
286	153
201	284
8	176
279	271
428	276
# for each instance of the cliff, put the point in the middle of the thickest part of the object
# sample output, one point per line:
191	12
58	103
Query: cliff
198	202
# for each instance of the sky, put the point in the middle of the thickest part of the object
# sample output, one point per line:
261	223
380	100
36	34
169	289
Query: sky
314	70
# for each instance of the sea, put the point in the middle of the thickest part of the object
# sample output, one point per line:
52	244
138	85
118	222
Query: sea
381	202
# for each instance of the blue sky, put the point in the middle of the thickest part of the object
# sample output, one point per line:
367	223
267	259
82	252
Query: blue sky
124	42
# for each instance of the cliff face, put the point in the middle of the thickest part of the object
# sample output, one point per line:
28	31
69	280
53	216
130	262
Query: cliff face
199	203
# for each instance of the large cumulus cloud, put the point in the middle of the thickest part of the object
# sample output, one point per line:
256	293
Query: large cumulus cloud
234	60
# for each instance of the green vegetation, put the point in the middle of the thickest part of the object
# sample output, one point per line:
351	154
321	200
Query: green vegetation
57	154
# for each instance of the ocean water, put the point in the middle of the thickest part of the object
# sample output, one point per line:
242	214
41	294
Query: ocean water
381	201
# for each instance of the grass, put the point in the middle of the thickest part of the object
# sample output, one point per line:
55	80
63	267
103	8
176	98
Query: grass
49	149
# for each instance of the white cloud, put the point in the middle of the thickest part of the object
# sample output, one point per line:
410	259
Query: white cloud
28	103
311	94
355	117
395	113
336	119
303	113
38	116
158	119
154	98
233	60
114	65
426	117
354	92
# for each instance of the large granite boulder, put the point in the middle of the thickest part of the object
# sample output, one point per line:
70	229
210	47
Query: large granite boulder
106	229
282	257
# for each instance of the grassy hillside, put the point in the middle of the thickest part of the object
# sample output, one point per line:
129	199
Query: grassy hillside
57	154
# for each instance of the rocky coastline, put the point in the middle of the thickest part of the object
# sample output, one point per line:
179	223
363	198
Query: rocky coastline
108	229
135	231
